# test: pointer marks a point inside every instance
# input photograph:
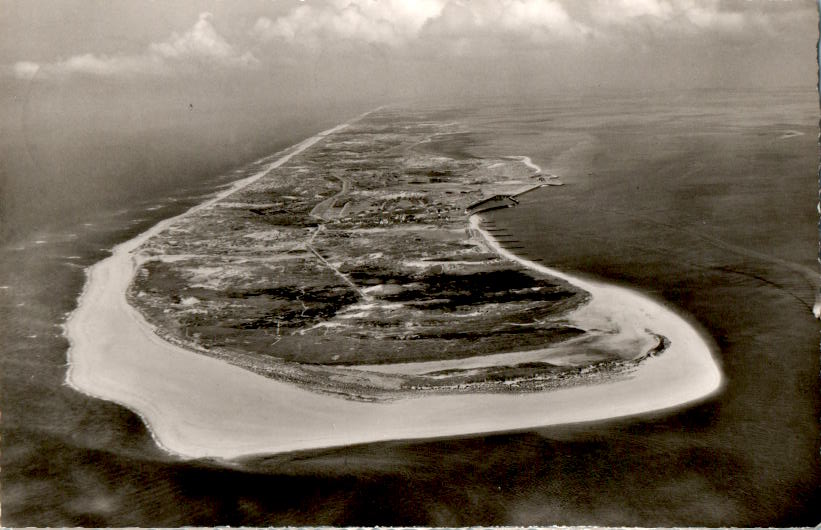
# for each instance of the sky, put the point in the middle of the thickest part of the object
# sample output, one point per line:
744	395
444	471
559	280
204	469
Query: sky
413	47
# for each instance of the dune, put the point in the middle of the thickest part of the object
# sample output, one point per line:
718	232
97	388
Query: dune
198	406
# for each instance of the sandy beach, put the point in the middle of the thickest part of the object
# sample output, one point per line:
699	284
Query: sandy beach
197	406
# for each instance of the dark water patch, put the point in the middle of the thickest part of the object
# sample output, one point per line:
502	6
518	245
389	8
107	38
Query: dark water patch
68	459
745	457
761	432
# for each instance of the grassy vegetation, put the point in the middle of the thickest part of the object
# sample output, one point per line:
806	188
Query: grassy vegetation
356	252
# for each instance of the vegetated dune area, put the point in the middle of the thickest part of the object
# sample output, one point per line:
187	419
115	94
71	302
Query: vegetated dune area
346	291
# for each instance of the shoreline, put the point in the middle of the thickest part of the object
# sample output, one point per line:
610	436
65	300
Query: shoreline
198	406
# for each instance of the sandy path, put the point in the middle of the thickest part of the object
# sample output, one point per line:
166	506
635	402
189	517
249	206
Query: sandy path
199	406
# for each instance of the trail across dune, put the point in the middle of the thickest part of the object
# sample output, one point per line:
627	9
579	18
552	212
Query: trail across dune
198	406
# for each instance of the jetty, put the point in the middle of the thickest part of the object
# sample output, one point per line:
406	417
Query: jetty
497	201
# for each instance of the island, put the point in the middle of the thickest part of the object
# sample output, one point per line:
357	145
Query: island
352	289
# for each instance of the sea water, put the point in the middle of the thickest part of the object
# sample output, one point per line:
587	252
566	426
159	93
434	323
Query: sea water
704	200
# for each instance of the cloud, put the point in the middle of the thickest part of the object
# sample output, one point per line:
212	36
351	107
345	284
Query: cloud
674	16
400	22
287	36
391	22
523	21
203	43
626	11
464	25
199	48
25	69
710	17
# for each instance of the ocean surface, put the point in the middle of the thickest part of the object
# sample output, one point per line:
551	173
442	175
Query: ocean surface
705	200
